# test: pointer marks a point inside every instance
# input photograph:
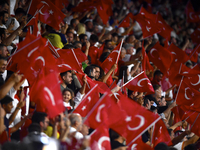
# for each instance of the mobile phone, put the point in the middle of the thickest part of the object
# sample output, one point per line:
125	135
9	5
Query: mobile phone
12	21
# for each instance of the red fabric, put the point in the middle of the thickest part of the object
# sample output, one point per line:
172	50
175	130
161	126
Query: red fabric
195	36
111	59
135	122
88	102
24	129
165	28
84	6
48	12
141	83
193	81
161	57
194	54
60	4
191	15
67	60
93	53
178	114
148	26
185	71
148	15
145	62
126	22
187	95
161	134
5	136
139	145
100	139
34	23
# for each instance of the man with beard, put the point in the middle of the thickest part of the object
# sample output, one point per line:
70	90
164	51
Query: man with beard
89	27
3	19
108	46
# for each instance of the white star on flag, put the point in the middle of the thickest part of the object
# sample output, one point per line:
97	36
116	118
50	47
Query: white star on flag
51	12
128	118
110	59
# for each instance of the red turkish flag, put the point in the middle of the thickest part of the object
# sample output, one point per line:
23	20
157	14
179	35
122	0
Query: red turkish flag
187	95
48	12
194	54
165	84
148	26
84	6
193	119
136	122
140	83
100	139
195	36
193	81
165	28
60	4
48	94
126	22
112	58
185	71
178	114
178	54
145	62
161	57
139	145
68	59
87	103
191	15
161	134
148	15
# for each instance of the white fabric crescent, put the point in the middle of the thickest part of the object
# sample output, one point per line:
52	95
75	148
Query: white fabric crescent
50	95
101	140
140	125
186	94
133	147
153	49
138	84
98	112
148	28
31	52
41	58
66	65
191	15
194	84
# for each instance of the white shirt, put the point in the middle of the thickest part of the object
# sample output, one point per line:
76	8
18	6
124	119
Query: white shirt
179	146
78	135
3	26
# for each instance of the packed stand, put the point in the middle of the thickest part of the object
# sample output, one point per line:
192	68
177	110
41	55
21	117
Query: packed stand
99	74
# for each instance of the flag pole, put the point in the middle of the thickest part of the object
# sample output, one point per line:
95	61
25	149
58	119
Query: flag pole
179	88
132	79
119	51
194	121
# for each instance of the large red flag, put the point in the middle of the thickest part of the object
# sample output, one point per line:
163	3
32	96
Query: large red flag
195	36
161	134
148	26
112	58
126	22
87	103
140	83
194	54
161	57
187	95
136	122
48	12
192	16
165	28
148	15
100	139
185	71
194	81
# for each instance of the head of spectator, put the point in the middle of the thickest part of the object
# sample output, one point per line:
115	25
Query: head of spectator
90	71
108	45
4	5
83	39
19	14
3	50
123	53
74	23
98	72
81	29
130	39
70	37
157	94
77	44
66	77
163	101
147	103
161	146
3	17
115	38
93	39
89	25
129	48
171	133
68	96
76	121
42	119
7	104
85	130
189	64
158	76
3	34
3	64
